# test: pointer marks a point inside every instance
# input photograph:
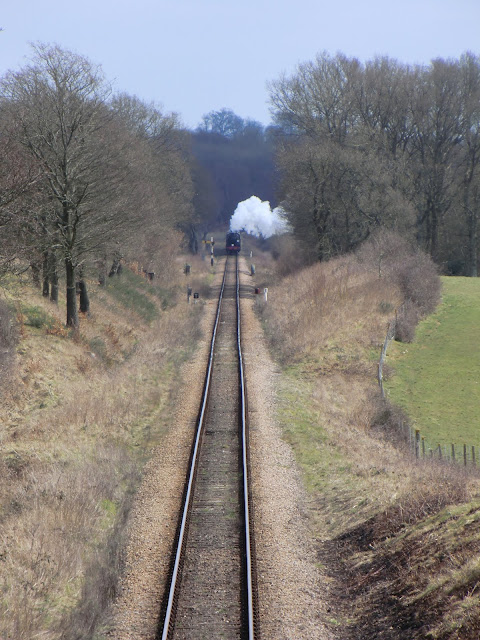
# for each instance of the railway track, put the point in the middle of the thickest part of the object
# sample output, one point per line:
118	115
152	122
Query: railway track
212	586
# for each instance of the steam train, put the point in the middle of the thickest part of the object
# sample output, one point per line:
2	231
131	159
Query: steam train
232	242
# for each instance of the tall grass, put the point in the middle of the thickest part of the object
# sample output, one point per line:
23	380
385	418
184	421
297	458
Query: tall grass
326	307
54	532
345	302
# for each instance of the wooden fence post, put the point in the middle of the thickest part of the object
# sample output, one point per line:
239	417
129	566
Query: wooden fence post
453	452
423	447
465	455
439	451
474	460
417	443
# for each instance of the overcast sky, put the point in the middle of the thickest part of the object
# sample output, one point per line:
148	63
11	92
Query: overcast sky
195	56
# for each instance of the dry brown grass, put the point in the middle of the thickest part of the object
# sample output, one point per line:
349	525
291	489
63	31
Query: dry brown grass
77	427
328	309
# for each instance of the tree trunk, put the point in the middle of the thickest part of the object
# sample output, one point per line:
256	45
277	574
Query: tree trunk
192	239
472	222
472	243
53	278
45	274
116	268
102	272
35	274
84	300
72	313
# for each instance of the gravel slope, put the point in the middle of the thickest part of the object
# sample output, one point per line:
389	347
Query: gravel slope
291	589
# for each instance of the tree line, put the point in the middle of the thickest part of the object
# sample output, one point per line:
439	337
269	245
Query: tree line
382	144
89	176
84	174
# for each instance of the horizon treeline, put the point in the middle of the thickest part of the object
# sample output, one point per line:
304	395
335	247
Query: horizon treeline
234	159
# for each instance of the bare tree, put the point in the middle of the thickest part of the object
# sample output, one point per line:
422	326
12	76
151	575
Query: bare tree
317	100
470	126
162	171
437	132
18	179
365	145
58	107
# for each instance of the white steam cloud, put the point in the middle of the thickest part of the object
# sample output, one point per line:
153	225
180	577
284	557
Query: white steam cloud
255	217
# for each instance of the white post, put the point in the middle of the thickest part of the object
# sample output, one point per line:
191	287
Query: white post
265	293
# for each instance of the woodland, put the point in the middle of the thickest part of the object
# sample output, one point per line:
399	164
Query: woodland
89	177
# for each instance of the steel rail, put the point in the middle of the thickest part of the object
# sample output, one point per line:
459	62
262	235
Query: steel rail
251	614
191	475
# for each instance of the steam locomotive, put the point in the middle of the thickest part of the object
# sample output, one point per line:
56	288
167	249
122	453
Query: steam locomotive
232	242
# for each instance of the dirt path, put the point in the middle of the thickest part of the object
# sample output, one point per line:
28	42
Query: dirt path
291	590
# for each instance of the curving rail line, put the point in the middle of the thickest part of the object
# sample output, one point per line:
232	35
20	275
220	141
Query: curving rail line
249	624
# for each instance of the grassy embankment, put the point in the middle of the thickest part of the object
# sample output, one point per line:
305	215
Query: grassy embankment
398	540
78	418
437	377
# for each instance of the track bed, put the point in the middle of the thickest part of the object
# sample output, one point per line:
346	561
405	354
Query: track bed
211	599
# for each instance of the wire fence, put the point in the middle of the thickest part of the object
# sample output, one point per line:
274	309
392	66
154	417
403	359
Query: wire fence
466	454
421	446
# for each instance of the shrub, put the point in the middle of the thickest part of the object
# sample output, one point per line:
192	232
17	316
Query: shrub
288	254
390	421
99	348
407	269
386	307
439	485
37	317
419	282
407	320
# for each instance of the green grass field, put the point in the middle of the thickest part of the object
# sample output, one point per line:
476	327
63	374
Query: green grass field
437	378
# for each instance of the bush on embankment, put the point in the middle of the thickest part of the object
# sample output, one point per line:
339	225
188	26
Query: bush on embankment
353	296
